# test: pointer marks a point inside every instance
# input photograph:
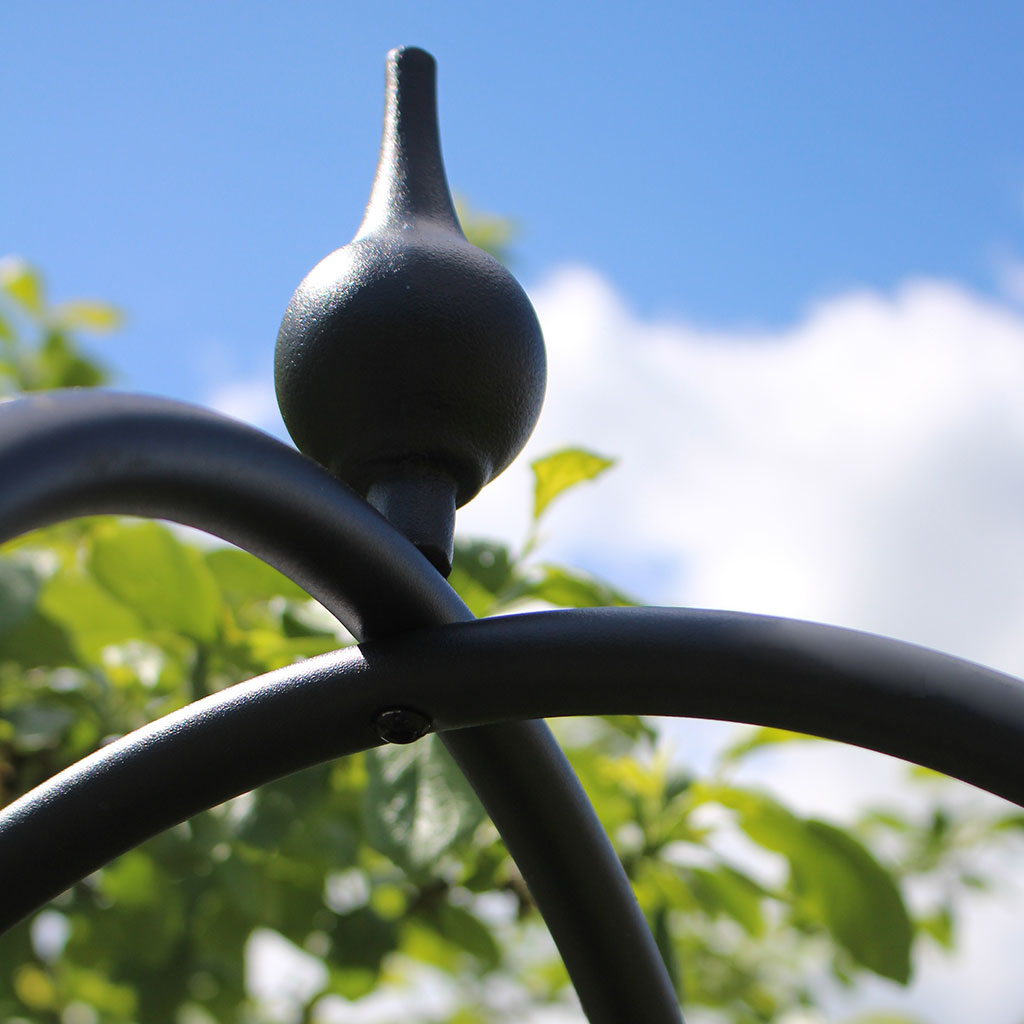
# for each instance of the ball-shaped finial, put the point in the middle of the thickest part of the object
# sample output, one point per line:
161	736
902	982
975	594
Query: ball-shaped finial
410	363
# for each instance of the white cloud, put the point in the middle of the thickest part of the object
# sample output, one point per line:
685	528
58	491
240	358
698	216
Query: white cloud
1010	275
252	400
863	467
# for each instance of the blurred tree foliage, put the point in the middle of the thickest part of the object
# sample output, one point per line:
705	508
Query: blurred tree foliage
380	871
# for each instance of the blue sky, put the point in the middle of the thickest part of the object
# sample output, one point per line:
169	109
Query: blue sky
777	251
726	162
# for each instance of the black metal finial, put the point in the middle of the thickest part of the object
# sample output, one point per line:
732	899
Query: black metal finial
410	181
409	362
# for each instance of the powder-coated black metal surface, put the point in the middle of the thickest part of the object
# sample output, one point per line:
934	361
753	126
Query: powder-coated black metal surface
66	454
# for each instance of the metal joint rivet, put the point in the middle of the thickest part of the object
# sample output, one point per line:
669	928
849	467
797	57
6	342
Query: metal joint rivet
401	725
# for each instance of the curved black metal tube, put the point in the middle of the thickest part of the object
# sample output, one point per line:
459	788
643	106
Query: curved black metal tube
67	454
184	763
897	698
901	699
74	453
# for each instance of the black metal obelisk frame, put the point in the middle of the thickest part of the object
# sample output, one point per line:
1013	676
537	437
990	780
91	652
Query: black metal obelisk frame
410	371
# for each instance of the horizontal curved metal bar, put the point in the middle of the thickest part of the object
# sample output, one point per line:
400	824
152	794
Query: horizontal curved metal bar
74	453
67	454
252	733
173	768
911	702
900	699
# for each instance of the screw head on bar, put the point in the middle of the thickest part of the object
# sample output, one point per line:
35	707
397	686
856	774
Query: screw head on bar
401	725
409	362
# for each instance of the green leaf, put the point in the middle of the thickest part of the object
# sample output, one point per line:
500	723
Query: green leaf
763	736
486	562
465	1015
273	651
23	284
59	364
34	987
883	1018
133	879
488	231
146	917
351	982
919	773
361	939
424	943
939	926
727	892
482	867
461	928
87	315
562	470
632	726
857	898
243	577
92	988
147	568
38	727
38	641
569	588
480	601
836	882
418	804
662	933
974	881
6	330
481	572
1009	822
885	818
764	820
91	616
19	586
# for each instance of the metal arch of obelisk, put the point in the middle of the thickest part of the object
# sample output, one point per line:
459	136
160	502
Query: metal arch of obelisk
410	371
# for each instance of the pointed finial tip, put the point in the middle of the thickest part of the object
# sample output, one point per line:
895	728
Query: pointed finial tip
404	56
410	72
